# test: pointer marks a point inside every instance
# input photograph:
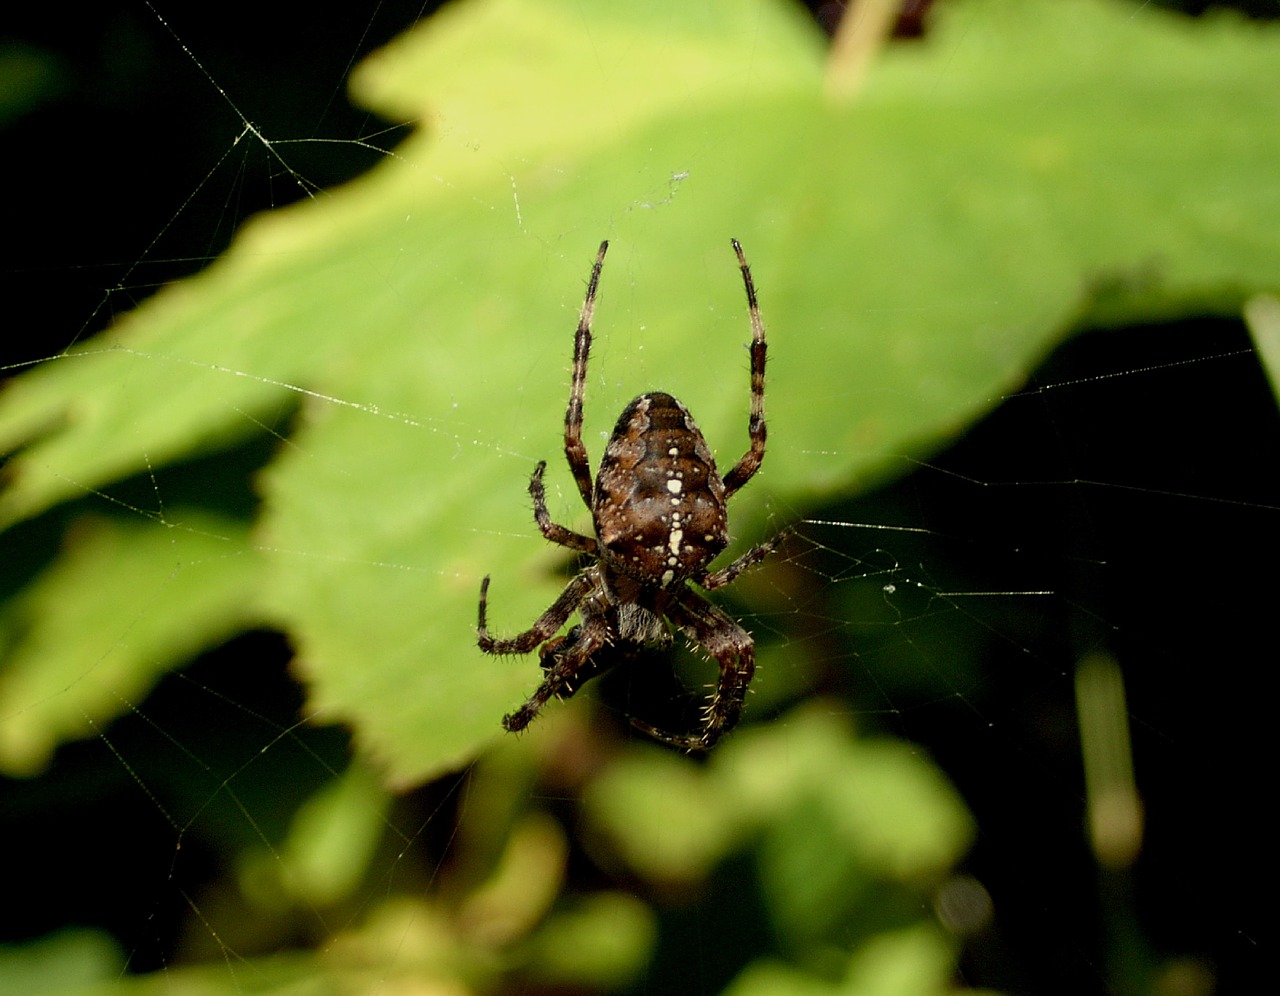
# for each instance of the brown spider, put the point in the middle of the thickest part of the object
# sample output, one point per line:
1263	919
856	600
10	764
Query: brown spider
658	507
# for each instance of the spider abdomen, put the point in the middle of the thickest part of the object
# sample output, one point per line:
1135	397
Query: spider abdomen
659	500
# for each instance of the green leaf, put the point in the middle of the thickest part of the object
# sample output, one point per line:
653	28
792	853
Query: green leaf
70	961
1263	316
915	253
668	821
332	840
846	819
87	639
917	961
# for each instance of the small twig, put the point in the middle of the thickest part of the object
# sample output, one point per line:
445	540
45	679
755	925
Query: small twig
862	31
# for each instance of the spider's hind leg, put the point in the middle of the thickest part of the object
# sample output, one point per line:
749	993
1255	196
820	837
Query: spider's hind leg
733	649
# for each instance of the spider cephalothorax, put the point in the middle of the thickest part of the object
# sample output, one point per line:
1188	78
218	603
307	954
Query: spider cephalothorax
659	510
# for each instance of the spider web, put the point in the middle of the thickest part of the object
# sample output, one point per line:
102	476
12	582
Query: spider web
1119	505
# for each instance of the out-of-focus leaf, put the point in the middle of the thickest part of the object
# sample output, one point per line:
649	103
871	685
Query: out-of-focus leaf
913	962
1263	315
602	942
69	961
331	841
87	639
666	820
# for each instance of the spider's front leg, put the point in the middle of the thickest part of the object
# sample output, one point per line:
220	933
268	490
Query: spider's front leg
574	449
564	661
746	468
547	624
551	652
732	648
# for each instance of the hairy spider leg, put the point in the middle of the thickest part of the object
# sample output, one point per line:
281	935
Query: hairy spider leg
575	450
545	627
712	580
732	649
560	667
746	467
553	531
552	650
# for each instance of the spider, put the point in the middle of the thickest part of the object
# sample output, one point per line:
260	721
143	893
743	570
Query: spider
658	508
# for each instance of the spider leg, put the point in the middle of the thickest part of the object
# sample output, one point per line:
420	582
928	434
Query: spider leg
732	648
562	663
575	450
552	650
746	468
546	625
718	579
551	530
